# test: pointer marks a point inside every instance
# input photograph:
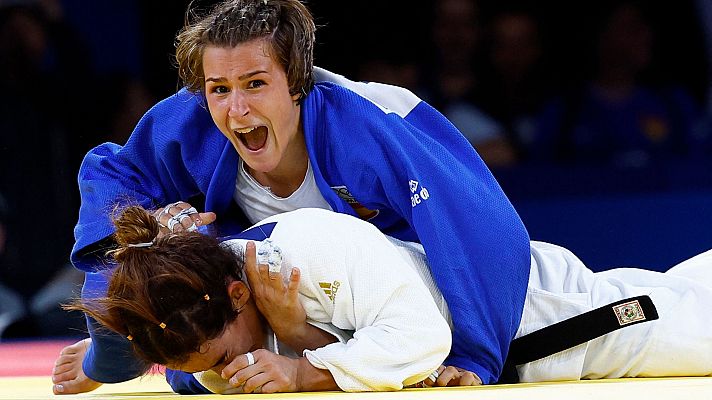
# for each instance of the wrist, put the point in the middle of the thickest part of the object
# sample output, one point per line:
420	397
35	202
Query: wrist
293	335
311	379
304	337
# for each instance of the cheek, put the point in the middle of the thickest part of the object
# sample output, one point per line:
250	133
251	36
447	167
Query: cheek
217	113
244	342
288	117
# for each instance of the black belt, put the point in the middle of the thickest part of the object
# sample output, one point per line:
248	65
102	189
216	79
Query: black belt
575	331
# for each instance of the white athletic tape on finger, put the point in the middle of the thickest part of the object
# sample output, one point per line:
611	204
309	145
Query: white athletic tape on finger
178	219
172	222
187	212
250	359
434	376
270	254
167	210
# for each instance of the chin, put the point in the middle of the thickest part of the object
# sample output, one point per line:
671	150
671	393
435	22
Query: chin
259	166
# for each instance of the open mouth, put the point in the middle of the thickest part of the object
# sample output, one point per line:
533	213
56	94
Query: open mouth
252	138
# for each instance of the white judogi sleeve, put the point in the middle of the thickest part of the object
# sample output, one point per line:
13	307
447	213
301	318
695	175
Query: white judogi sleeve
355	279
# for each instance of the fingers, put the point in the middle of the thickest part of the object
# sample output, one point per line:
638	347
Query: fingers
67	375
293	284
181	216
431	380
452	376
239	363
64	375
268	276
206	218
68	359
75	348
81	384
256	383
468	378
448	377
259	275
63	360
251	265
61	366
244	371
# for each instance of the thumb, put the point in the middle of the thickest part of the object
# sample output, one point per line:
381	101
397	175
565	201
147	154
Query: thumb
207	218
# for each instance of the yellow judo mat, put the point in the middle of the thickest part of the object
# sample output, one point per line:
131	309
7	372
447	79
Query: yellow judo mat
154	387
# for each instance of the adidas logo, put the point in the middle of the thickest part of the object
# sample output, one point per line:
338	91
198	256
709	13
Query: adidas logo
419	197
413	185
330	289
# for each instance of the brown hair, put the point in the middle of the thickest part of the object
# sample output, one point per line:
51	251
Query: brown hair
157	294
286	24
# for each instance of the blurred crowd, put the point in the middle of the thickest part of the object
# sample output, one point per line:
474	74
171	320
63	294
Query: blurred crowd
596	95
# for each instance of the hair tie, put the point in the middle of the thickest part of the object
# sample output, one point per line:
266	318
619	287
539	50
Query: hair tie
145	244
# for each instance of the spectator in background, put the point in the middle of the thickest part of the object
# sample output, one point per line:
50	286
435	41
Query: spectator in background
393	70
46	86
518	81
456	36
620	117
124	101
41	315
12	308
704	13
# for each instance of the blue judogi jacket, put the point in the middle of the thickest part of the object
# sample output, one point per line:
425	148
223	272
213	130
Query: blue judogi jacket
378	152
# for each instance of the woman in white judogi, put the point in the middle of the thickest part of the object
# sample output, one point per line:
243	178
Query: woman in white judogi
355	279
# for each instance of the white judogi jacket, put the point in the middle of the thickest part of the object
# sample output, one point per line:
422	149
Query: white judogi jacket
393	324
358	286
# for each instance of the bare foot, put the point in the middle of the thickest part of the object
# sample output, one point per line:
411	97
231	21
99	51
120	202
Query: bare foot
68	376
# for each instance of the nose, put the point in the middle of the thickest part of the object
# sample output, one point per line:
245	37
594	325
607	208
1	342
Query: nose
238	105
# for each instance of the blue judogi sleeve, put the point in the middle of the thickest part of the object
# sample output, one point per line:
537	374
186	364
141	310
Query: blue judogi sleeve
409	160
175	153
184	383
109	358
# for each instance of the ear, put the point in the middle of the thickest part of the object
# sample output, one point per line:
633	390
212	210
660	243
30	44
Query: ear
239	294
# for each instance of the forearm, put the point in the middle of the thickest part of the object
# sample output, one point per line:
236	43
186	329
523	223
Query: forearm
312	379
305	337
110	358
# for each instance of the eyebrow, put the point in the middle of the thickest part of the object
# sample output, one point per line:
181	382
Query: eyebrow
239	78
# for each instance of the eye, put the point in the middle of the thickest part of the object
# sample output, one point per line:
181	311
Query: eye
256	84
219	89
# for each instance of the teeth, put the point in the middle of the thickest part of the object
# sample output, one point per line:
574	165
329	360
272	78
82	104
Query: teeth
244	130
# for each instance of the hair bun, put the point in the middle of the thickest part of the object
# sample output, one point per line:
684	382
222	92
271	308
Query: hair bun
134	224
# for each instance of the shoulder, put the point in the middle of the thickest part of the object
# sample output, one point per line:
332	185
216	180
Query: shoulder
317	230
388	98
180	109
181	119
182	100
313	222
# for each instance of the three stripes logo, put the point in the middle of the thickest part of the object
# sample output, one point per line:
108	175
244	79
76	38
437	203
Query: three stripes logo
330	289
